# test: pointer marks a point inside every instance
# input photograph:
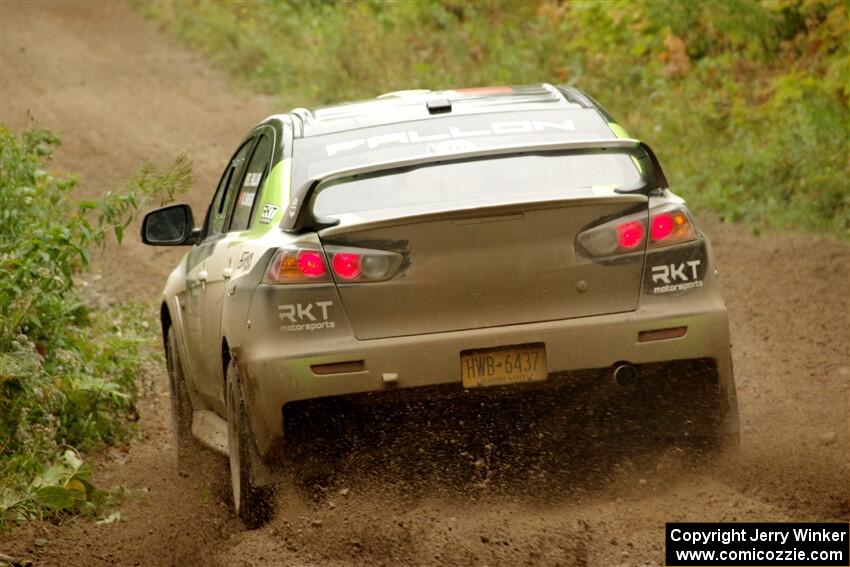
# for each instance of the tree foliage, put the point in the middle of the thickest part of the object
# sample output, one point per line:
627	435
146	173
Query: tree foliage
745	101
68	373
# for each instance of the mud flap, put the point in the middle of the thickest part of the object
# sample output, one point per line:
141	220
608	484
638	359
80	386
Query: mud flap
261	473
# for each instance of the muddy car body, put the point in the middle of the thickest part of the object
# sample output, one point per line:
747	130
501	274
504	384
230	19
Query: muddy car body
470	240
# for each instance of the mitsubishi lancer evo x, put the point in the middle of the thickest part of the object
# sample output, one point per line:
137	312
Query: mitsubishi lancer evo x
504	239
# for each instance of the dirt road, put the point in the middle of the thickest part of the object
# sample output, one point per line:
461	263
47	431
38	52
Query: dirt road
120	91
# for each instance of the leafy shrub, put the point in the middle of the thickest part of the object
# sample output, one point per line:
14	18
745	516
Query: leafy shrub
746	102
68	372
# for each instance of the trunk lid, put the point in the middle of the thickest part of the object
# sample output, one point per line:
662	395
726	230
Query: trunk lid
504	265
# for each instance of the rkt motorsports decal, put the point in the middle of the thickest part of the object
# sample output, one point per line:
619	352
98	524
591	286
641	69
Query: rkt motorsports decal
305	316
678	270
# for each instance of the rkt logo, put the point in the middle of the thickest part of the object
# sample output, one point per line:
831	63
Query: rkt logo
672	273
302	317
301	312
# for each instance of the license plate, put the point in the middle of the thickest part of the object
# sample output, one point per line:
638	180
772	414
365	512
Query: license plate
499	366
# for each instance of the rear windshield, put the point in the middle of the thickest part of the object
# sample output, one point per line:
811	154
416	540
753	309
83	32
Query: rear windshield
466	184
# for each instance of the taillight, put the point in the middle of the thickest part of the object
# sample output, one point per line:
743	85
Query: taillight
667	225
363	265
670	226
297	265
619	236
302	265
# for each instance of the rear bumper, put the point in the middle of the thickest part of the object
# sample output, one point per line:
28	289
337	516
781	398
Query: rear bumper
273	377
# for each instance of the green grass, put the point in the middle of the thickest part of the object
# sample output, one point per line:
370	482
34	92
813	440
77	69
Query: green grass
746	102
70	370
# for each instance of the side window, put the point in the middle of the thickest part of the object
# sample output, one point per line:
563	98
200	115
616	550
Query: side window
217	213
254	176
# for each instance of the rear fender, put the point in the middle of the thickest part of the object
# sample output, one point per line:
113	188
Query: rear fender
239	293
248	274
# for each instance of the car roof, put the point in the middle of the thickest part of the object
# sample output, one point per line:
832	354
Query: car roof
414	105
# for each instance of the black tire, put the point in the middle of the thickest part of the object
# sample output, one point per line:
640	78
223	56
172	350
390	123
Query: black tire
181	405
253	504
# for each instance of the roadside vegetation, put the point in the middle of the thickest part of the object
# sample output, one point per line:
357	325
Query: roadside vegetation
746	102
69	369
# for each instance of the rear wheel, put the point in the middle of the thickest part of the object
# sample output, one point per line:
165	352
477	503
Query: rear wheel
181	404
252	503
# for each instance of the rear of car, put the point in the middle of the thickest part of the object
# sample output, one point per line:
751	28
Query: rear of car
479	243
430	258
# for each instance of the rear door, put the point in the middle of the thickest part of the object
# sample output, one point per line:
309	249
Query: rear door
206	279
492	243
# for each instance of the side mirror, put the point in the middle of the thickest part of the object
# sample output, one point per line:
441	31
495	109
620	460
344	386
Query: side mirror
170	226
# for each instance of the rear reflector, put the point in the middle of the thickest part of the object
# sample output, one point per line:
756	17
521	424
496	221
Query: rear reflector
661	334
339	367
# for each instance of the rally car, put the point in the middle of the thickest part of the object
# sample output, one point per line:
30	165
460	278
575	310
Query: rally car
480	240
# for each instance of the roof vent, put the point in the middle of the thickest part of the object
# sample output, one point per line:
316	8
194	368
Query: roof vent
439	106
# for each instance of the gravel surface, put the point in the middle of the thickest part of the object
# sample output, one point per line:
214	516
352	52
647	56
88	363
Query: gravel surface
121	91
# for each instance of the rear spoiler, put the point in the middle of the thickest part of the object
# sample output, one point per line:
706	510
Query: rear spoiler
298	217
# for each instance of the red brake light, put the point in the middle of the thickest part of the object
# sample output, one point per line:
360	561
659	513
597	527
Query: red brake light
630	234
670	227
311	264
346	265
307	265
667	225
662	226
296	265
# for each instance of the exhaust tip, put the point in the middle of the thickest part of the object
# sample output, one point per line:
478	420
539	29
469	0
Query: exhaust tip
625	374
